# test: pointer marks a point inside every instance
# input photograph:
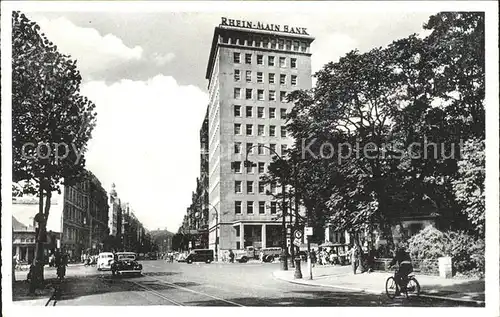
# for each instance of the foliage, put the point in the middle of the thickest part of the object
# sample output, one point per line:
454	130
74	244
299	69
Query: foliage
469	186
354	156
466	251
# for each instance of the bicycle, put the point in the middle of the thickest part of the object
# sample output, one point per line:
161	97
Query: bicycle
411	286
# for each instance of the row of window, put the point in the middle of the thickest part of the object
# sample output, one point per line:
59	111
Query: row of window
269	43
71	213
261	150
238	187
260	77
260	94
250	207
271	60
260	130
260	112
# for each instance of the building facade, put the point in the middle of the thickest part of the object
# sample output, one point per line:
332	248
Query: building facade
115	213
251	68
85	217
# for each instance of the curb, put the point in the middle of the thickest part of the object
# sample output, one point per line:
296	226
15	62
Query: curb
369	291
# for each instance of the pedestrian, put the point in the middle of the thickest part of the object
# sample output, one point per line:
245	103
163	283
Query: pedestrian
370	259
355	257
261	256
405	267
313	258
231	256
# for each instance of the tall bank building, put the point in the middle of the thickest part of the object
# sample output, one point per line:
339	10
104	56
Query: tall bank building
251	68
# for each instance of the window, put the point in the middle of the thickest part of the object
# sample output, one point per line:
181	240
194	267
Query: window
250	168
273	147
260	77
248	93
283	149
237	148
236	58
283	96
260	112
294	80
283	132
262	207
293	62
270	61
262	188
303	47
237	186
237	111
260	149
249	207
282	79
266	42
237	167
260	59
249	129
237	75
281	44
262	167
272	130
249	111
260	94
295	46
282	61
248	58
273	207
237	210
273	188
289	45
271	78
237	93
260	130
272	95
250	148
272	113
273	43
248	76
237	128
283	113
250	187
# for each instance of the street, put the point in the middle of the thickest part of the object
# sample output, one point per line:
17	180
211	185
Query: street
200	284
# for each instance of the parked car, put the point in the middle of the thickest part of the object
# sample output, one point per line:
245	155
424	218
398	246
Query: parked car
200	255
104	261
126	262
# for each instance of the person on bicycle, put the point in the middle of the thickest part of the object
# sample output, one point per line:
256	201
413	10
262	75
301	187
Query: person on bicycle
403	260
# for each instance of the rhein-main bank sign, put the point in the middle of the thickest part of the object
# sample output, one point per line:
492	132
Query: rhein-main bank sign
264	26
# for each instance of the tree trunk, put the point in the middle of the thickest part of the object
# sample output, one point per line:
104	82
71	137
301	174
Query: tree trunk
37	269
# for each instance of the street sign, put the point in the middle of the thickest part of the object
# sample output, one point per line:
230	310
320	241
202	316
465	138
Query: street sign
309	231
288	241
298	234
297	242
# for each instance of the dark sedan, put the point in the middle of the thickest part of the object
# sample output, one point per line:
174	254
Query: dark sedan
126	262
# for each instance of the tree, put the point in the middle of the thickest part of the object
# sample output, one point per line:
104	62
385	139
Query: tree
469	186
355	130
52	121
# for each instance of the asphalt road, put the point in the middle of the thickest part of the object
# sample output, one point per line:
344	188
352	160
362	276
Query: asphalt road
216	284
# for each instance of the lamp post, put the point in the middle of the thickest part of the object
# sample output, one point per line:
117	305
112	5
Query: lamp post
283	186
216	228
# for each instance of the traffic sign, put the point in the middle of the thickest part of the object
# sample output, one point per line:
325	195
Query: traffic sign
297	242
298	234
309	231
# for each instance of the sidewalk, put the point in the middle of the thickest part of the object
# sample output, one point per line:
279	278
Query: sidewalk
341	277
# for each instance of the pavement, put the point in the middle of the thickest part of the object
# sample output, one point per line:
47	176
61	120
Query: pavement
201	284
342	277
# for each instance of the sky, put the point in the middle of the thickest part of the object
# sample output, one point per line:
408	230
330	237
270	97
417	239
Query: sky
145	72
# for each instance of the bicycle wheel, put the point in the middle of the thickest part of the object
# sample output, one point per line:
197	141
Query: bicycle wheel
391	287
412	288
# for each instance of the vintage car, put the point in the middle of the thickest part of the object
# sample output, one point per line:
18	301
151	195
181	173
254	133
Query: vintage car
104	261
126	262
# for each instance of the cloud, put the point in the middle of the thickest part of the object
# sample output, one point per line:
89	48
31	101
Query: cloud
93	51
147	142
162	59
